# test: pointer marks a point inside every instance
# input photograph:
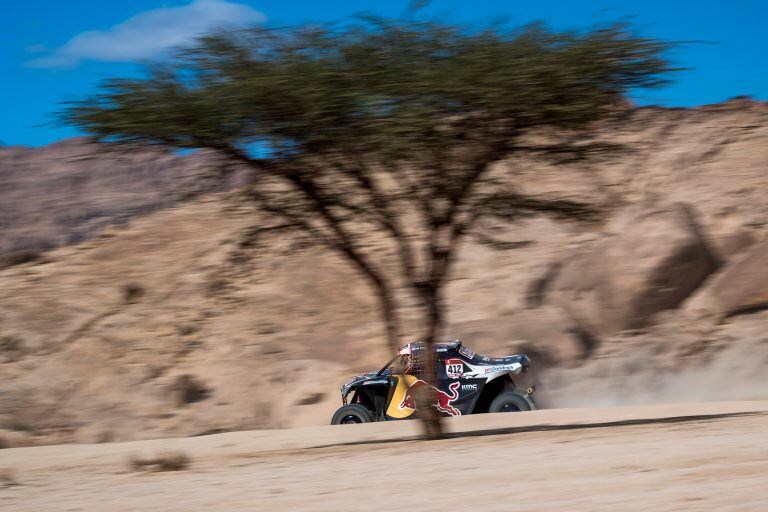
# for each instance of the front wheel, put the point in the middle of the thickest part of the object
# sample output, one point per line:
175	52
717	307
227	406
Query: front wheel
350	414
509	401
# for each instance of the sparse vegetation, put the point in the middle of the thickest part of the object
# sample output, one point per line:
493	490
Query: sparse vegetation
311	399
186	389
216	286
8	478
16	425
11	349
19	258
186	329
168	461
133	292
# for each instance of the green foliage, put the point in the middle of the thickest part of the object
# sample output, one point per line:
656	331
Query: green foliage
391	89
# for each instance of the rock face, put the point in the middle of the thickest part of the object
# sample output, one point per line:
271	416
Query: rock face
65	192
651	261
742	286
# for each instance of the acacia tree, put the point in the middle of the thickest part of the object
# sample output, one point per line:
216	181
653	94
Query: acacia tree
384	131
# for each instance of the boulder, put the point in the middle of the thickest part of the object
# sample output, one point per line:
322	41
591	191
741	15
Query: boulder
730	233
650	260
731	244
741	286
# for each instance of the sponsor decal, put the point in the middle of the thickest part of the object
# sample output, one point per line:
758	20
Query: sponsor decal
466	352
469	387
371	382
444	400
454	368
503	368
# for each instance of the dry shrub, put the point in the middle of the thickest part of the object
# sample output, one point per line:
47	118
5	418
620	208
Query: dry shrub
8	478
19	258
169	461
186	389
132	293
311	399
12	349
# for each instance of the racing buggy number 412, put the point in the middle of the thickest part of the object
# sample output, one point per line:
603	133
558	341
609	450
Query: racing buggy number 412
467	383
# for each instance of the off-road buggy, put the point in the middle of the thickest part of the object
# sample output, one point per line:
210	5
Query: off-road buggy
467	383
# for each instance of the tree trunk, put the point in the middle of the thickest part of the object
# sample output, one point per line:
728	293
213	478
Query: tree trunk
391	319
431	419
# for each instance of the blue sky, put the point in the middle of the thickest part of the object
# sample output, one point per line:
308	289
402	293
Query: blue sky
54	50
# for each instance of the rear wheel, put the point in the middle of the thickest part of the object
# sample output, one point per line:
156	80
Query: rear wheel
509	401
350	414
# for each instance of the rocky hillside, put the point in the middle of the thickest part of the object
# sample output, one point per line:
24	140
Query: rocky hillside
65	192
178	323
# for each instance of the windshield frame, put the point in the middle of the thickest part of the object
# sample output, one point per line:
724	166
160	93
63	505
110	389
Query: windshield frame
389	363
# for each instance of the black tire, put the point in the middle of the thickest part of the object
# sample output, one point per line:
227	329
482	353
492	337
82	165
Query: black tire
351	413
509	401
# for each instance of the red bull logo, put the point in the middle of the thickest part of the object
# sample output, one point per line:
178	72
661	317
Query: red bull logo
444	400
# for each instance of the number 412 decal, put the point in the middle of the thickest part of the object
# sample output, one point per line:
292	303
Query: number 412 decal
454	368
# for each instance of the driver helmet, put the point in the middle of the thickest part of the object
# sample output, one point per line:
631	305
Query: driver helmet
409	359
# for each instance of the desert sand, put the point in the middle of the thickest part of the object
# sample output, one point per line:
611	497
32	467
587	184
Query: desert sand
660	457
